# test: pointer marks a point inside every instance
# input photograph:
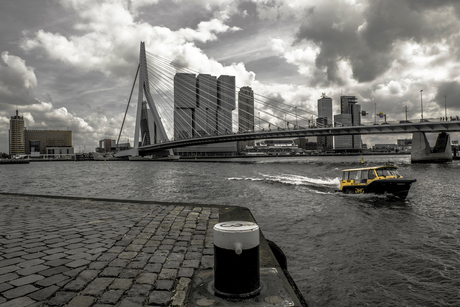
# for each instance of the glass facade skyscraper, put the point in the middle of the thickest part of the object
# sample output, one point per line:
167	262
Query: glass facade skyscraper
325	119
350	116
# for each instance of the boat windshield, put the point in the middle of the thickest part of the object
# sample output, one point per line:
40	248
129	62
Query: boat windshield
387	172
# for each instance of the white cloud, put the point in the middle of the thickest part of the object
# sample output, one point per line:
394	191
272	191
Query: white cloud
17	80
18	65
110	45
206	31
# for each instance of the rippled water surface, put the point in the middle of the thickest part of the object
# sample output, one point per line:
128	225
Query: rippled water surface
343	250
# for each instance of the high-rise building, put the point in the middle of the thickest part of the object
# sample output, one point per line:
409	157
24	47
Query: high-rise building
17	137
343	141
184	105
245	114
203	106
325	109
245	109
206	102
225	103
350	116
325	119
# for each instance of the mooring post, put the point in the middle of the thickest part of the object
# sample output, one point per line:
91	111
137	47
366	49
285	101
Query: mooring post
236	259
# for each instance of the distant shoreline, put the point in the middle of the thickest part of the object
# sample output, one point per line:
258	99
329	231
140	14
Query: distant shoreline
291	156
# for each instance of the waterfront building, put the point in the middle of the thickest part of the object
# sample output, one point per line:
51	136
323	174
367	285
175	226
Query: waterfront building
325	119
404	142
17	137
203	106
108	145
206	103
350	115
184	105
273	147
245	109
245	114
343	141
385	147
225	103
405	145
40	142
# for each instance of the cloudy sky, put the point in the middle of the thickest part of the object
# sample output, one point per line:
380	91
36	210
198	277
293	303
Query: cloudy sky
70	64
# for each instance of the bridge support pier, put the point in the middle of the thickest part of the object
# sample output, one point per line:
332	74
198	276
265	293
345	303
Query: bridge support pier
422	153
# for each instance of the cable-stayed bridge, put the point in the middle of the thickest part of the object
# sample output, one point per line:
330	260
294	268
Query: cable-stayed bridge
179	107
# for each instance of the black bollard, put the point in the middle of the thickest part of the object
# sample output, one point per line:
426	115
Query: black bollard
236	259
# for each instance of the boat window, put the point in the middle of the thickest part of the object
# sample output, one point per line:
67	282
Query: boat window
364	174
355	175
345	175
371	174
387	172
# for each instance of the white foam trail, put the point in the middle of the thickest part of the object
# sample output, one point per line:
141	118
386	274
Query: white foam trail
246	178
301	180
293	179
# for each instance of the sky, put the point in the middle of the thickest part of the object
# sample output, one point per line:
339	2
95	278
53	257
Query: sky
70	64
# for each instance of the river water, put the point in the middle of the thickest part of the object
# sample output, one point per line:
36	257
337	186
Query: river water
342	250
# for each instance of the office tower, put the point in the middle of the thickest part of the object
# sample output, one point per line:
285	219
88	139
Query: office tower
184	105
145	131
225	103
245	109
245	115
325	110
206	102
349	106
203	106
343	141
325	119
17	137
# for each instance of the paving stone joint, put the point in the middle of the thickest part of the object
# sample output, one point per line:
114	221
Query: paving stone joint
56	252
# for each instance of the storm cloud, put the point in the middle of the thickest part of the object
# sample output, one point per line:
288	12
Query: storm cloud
366	35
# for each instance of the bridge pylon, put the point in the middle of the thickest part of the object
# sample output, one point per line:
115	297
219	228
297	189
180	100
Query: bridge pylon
155	127
422	152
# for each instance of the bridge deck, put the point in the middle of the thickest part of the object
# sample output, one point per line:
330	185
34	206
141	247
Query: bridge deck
427	127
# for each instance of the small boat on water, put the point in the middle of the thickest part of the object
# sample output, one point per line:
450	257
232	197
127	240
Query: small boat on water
377	179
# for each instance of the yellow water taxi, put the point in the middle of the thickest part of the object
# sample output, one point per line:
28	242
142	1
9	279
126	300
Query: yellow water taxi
377	179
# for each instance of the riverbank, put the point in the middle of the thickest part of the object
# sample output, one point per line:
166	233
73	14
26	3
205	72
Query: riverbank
14	161
104	252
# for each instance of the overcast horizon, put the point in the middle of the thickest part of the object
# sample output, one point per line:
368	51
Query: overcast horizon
69	64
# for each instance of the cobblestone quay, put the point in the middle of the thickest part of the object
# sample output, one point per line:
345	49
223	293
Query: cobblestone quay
64	251
76	252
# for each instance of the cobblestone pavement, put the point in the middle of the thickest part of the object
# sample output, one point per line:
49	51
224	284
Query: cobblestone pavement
75	252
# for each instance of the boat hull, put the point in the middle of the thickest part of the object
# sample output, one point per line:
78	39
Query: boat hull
398	187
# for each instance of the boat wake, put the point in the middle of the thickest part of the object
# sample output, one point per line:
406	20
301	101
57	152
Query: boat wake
318	185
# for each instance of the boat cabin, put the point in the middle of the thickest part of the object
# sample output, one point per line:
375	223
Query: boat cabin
364	176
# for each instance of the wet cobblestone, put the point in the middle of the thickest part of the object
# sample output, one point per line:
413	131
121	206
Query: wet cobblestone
75	252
